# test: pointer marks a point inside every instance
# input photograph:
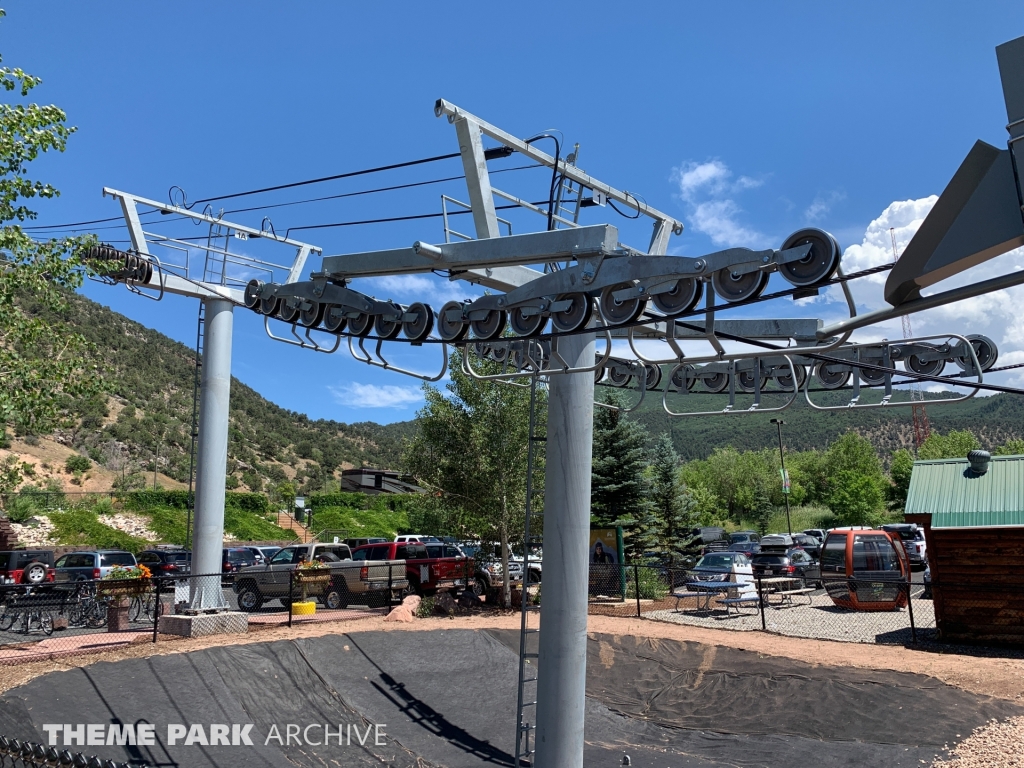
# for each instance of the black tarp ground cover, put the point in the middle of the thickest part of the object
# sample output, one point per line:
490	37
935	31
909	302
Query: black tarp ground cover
447	698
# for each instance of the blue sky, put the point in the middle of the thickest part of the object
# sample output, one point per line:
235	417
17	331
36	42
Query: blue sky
747	121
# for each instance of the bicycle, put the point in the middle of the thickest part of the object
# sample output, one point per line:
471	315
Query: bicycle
28	616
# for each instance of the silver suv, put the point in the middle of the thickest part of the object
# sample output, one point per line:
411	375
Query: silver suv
86	566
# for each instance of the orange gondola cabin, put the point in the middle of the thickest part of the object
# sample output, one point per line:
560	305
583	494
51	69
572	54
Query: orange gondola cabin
865	569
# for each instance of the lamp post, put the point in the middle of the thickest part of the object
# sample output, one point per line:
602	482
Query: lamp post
782	457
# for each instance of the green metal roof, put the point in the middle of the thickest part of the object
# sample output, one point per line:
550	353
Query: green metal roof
956	497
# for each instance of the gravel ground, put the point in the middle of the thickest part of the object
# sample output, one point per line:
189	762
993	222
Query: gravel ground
993	745
821	620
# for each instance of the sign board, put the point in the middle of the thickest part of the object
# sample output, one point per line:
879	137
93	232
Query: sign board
785	480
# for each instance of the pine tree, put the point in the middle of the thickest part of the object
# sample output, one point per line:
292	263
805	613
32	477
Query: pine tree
618	492
674	507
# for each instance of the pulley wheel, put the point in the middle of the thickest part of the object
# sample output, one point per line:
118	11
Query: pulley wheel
984	348
149	273
684	375
784	378
619	376
927	367
683	297
334	318
872	377
817	266
599	373
313	314
451	330
491	326
652	376
268	305
525	325
716	382
733	287
832	376
421	327
390	325
361	324
499	352
287	312
746	381
576	316
617	312
252	293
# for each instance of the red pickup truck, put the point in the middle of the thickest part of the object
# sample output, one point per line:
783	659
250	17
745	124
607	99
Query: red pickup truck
427	575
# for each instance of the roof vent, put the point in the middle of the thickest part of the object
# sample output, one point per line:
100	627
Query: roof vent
979	461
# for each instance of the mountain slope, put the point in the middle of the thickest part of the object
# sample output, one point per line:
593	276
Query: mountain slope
145	421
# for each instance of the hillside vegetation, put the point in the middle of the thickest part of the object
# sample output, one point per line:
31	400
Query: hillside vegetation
144	421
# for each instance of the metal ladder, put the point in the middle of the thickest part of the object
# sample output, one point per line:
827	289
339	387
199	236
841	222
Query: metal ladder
196	386
569	198
527	700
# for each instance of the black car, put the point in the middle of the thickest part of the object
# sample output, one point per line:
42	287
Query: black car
166	562
794	562
808	544
236	558
748	548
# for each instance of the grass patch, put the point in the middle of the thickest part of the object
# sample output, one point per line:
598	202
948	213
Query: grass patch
248	526
802	518
83	527
360	522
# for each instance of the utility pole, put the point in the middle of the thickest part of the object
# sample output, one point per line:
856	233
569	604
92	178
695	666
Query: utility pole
785	491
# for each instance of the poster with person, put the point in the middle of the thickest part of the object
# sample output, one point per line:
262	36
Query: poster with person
605	562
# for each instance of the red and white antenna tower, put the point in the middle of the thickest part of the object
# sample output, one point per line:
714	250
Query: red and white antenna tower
921	426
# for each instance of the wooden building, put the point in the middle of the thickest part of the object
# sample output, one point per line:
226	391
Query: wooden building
972	512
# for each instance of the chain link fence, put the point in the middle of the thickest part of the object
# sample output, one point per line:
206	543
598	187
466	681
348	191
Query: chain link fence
69	618
850	610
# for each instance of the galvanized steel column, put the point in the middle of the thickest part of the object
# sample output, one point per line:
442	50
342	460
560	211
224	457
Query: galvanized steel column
212	455
562	673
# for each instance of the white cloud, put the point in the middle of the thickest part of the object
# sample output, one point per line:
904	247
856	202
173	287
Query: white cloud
996	315
356	395
822	206
708	189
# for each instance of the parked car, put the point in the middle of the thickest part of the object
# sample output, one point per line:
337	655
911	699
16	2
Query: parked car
794	562
257	553
27	566
86	566
236	558
268	552
353	543
723	566
808	544
353	579
777	541
417	538
913	542
740	537
166	562
748	548
818	533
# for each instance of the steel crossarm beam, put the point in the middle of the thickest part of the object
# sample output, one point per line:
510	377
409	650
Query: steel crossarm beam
172	283
801	329
455	114
514	250
651	272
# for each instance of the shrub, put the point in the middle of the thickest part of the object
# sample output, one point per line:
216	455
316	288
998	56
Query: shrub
650	583
20	508
77	463
426	609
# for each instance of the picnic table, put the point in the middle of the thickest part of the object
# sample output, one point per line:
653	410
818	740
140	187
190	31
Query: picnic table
776	584
704	590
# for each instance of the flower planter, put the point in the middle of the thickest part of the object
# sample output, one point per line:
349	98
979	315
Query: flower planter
117	614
